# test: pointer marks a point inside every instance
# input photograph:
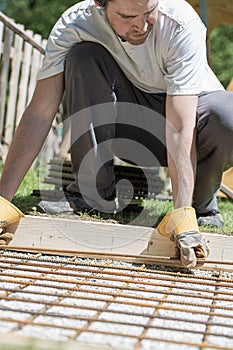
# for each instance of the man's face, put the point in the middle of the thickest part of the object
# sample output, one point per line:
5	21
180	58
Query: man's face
132	20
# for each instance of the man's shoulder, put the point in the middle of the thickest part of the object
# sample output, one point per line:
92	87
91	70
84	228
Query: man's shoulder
83	17
79	9
179	10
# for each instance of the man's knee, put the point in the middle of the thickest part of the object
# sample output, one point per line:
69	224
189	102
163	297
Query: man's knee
220	108
85	53
216	118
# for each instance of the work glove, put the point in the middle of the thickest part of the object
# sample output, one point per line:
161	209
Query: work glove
9	220
181	227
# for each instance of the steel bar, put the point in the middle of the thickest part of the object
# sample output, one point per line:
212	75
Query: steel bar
75	271
66	297
147	259
142	283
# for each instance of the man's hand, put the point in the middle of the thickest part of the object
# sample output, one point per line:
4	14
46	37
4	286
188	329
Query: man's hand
181	227
190	247
9	220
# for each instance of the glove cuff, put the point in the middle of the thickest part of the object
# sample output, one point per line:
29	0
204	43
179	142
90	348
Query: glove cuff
178	221
9	213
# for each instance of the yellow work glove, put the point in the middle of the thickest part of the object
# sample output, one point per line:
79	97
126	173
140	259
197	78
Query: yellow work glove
9	220
181	227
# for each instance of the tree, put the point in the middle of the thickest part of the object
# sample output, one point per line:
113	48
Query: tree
37	15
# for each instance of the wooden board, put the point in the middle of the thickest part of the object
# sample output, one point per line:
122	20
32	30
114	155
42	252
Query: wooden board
8	342
230	85
89	236
70	234
219	12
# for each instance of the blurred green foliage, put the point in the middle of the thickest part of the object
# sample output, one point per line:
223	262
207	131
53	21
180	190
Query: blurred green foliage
37	15
41	15
221	43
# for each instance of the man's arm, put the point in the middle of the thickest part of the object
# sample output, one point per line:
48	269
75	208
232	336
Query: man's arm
181	145
180	225
31	133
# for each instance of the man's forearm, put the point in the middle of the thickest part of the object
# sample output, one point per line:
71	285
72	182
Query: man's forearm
25	146
182	169
181	145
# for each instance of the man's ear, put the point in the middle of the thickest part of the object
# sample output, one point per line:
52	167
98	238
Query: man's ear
98	3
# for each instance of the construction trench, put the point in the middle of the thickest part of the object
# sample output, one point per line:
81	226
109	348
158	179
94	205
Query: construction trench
108	302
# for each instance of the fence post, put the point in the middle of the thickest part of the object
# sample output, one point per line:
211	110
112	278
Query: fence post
5	65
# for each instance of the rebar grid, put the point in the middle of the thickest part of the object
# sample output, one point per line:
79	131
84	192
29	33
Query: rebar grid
128	306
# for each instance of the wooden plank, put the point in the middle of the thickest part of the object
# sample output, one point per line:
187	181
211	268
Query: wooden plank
24	78
230	85
1	38
35	66
219	12
89	236
227	190
56	233
13	88
5	65
7	342
226	187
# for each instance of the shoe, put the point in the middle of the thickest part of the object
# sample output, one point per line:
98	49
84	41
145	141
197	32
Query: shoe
54	207
78	203
212	219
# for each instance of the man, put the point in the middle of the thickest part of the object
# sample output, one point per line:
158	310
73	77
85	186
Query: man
144	53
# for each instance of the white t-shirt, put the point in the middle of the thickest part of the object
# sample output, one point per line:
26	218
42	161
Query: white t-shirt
172	59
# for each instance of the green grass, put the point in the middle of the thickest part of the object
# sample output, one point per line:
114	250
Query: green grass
153	210
23	198
226	209
225	206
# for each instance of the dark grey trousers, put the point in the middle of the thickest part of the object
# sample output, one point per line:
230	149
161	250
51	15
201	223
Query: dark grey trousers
110	116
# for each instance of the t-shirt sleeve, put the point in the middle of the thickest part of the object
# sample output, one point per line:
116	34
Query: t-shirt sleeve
61	39
186	59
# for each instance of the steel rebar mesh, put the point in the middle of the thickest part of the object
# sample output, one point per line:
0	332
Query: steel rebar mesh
124	305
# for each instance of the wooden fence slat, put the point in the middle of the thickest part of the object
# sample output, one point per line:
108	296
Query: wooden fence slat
1	38
43	43
24	79
13	88
5	65
35	65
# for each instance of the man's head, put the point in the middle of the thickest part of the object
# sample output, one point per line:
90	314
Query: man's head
132	20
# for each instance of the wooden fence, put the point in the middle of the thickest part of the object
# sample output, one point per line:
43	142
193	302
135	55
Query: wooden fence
21	54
